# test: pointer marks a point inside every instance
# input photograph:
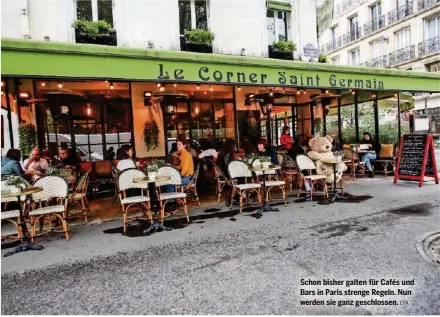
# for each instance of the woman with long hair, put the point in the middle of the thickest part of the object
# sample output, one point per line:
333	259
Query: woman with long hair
125	155
11	163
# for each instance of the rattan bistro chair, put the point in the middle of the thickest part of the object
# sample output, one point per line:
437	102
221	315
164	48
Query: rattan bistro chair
179	195
191	188
272	181
79	196
53	187
239	169
222	181
354	163
304	163
125	182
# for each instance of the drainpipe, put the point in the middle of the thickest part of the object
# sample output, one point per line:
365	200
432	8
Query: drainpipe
26	23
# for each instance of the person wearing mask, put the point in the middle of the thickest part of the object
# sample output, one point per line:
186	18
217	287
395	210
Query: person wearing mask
367	139
265	150
226	155
11	163
286	140
35	165
126	158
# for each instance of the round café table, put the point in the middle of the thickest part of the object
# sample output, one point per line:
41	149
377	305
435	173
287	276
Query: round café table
266	206
335	195
156	225
25	244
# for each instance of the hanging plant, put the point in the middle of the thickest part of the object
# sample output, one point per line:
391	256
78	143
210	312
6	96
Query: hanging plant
151	135
28	138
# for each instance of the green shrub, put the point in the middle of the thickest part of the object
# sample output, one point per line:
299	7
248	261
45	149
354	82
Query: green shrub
322	58
92	28
28	138
284	46
200	37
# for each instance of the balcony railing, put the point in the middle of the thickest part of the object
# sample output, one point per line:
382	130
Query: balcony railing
381	61
375	25
352	36
332	45
424	4
429	46
402	55
401	12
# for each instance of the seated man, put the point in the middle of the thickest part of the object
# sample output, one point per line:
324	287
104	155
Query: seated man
35	165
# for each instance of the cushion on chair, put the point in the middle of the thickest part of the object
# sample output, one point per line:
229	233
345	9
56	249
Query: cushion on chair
10	214
247	186
386	151
315	177
47	210
275	183
135	199
165	196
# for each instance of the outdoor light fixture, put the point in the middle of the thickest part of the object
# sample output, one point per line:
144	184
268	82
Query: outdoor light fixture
60	85
89	111
198	87
239	88
204	92
271	93
395	95
158	85
111	85
162	88
304	92
326	91
298	92
373	95
3	83
175	85
350	90
43	84
210	88
147	98
353	92
23	95
65	109
147	93
251	95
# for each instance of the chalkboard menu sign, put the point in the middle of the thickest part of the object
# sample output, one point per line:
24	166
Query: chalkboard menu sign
416	158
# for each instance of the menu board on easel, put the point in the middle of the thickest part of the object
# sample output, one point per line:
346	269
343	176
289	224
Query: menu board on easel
416	159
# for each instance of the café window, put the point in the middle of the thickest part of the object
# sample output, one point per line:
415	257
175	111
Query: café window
277	25
94	10
193	14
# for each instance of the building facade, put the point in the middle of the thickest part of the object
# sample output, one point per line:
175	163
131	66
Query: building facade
400	34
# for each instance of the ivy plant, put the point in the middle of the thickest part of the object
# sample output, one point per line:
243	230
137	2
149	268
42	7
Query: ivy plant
28	137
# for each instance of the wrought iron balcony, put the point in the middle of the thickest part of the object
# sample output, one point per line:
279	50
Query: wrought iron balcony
375	25
424	4
402	55
381	61
429	46
352	36
332	45
401	12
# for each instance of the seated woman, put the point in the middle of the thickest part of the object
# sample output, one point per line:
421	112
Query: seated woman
11	163
265	150
367	139
125	155
186	166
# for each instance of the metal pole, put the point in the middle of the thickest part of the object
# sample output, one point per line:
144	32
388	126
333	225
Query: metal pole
268	128
131	121
398	118
339	120
356	117
376	121
312	118
234	105
8	109
324	119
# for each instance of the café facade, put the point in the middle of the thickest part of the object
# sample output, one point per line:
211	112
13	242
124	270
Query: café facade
94	98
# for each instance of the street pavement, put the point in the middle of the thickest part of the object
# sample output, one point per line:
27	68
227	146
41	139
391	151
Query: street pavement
238	264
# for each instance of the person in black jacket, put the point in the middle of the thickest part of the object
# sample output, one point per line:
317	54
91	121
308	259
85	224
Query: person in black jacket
367	139
226	155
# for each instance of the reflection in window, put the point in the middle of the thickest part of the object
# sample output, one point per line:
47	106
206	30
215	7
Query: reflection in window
270	26
276	25
184	16
281	25
84	10
105	11
192	15
201	20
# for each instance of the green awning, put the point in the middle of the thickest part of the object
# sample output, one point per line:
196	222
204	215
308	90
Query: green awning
277	5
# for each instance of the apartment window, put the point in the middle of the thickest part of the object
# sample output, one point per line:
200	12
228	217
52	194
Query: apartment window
336	60
377	49
376	13
94	10
403	39
354	28
434	67
335	32
193	14
276	25
354	57
432	28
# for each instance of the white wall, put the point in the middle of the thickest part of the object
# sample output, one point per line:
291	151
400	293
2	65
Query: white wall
139	21
304	24
14	23
239	24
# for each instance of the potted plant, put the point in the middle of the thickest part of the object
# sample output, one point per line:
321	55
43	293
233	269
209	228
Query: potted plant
153	167
322	58
199	41
282	50
339	155
249	159
94	32
18	183
151	135
266	161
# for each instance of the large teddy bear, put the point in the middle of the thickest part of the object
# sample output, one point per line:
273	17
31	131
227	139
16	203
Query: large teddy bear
321	149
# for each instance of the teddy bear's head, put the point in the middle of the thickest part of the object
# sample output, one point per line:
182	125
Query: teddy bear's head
321	144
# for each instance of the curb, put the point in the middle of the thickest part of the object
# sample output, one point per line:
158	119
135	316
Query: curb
423	242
